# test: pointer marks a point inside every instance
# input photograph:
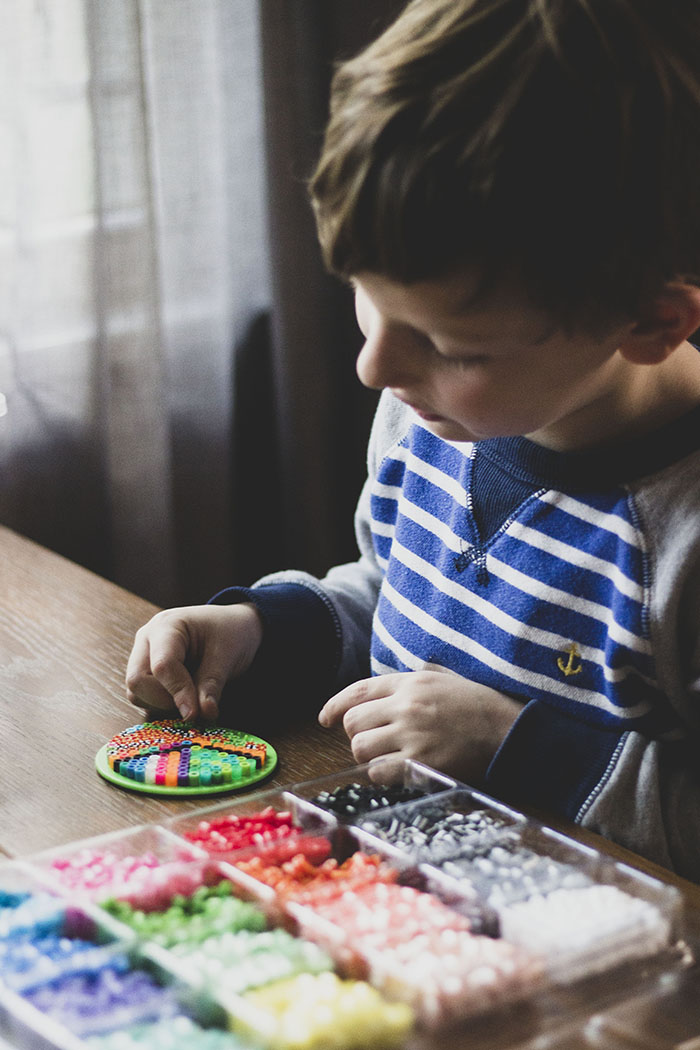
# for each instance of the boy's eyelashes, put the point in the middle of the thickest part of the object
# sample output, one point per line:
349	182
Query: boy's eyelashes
457	356
466	360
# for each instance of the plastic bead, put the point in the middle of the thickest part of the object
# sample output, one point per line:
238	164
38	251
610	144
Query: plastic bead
299	880
116	997
172	753
234	962
35	914
26	964
323	1013
585	930
145	881
269	833
348	801
190	920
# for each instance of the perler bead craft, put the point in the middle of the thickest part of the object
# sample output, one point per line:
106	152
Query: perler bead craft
174	757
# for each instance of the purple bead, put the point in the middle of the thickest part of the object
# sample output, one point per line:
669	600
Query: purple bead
113	998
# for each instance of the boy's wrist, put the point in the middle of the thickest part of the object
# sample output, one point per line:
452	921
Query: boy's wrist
254	627
297	637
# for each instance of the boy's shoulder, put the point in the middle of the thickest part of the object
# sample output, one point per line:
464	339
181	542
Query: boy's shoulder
669	499
392	423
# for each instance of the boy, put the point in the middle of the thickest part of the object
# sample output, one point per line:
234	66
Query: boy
510	186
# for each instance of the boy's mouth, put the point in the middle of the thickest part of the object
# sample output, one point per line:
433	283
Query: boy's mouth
429	417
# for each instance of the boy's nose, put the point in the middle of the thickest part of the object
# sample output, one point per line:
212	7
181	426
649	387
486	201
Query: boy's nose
383	361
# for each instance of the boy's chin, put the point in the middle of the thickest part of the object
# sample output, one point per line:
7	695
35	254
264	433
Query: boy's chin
447	429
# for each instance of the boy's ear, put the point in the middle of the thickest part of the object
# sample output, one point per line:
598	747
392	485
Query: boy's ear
667	322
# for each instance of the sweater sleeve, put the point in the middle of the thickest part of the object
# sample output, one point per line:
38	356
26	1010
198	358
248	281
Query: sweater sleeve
651	796
299	653
317	632
553	760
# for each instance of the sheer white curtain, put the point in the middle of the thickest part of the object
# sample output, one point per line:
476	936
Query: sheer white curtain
132	255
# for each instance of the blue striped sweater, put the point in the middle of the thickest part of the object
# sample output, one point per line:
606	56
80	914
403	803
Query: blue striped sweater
551	606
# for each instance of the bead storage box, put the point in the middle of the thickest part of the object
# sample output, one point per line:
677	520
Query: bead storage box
349	912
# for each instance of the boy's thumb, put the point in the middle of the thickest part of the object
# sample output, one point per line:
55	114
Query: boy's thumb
209	688
209	707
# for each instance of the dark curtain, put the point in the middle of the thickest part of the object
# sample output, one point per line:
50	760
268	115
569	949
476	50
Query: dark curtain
302	417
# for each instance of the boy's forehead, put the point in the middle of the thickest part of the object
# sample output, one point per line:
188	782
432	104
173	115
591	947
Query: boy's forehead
455	296
457	307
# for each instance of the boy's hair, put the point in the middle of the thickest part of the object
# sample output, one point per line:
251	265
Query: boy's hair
554	142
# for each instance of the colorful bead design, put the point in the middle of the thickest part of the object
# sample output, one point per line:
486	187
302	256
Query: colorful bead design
172	756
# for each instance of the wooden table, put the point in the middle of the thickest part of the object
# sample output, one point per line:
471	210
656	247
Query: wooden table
65	635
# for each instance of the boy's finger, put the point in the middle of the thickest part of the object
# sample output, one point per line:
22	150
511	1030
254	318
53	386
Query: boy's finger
148	693
211	678
168	650
139	663
142	689
174	677
357	693
209	706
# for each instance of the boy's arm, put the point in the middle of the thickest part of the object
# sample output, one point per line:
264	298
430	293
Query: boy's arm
643	794
654	787
316	633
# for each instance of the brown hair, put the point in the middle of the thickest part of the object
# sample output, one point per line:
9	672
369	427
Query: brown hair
557	141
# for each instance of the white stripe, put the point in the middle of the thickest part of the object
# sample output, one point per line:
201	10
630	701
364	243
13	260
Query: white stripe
382	528
429	472
601	519
577	557
546	593
408	658
447	484
548	639
526	534
386	491
523	532
377	667
425	520
405	656
528	679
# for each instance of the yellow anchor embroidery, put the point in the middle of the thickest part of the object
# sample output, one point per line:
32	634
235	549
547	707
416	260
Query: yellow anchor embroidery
568	667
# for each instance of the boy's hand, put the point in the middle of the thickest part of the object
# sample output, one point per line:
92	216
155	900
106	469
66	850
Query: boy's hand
435	717
182	658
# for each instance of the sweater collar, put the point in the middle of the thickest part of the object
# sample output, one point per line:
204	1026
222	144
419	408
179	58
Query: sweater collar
623	462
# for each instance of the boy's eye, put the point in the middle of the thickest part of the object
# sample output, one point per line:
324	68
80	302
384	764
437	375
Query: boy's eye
475	358
460	359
